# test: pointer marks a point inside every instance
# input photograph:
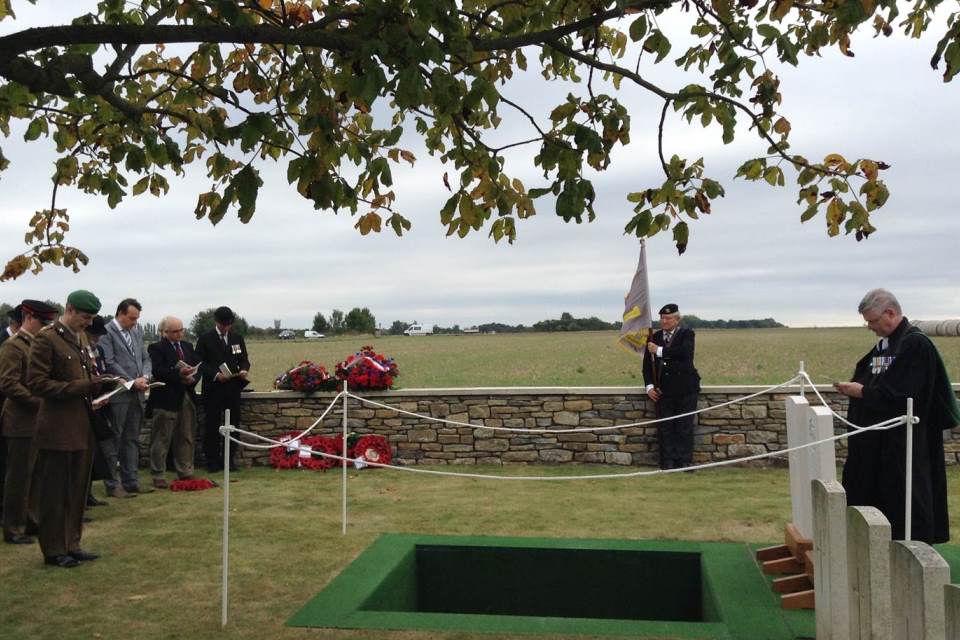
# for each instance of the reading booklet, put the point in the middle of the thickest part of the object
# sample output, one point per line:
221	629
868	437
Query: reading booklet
124	386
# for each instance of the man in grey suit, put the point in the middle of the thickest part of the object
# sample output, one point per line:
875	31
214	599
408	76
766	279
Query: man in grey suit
126	357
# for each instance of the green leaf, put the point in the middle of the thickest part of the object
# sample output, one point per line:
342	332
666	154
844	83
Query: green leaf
681	234
247	183
638	28
657	43
141	185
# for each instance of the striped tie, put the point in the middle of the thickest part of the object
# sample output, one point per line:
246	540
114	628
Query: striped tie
127	339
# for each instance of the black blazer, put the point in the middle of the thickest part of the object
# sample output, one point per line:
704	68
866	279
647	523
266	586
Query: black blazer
163	358
212	353
676	374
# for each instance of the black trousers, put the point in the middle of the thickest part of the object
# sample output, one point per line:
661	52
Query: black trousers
214	406
676	436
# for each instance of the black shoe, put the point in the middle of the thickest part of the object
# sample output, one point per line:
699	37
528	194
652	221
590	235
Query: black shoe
93	501
86	519
234	468
83	556
214	468
64	562
31	529
18	538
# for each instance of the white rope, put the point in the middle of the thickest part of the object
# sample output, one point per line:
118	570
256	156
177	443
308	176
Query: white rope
886	424
302	435
552	431
829	408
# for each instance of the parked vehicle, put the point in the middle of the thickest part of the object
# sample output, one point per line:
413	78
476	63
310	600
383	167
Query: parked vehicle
418	330
471	330
287	334
312	335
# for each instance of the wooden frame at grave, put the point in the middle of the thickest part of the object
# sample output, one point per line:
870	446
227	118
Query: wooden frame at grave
794	559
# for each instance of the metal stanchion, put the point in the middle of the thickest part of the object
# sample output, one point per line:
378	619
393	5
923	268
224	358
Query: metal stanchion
226	515
344	462
908	507
801	372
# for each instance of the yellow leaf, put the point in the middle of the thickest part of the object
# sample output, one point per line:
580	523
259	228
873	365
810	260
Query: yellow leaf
265	4
780	9
782	126
870	169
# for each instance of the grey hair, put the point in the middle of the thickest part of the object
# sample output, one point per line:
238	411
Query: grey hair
879	300
164	321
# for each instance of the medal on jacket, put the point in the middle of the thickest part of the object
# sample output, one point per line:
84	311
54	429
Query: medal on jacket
879	364
235	349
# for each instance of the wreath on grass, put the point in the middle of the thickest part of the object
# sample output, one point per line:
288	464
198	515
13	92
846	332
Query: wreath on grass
372	448
286	455
192	484
318	445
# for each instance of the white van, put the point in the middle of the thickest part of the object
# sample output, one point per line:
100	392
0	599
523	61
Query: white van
417	330
312	335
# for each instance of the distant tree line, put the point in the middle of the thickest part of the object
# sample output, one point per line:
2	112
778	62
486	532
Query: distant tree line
356	320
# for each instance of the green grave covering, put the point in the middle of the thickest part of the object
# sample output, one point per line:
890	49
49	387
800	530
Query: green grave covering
553	586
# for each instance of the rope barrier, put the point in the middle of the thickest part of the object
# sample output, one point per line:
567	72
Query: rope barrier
537	430
886	424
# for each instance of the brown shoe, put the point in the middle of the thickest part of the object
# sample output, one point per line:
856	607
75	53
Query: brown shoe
119	492
136	490
160	483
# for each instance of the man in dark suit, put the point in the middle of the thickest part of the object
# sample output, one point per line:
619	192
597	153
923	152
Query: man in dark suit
174	405
673	383
224	364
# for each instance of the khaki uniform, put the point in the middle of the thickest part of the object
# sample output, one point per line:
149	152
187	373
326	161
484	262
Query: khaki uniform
59	373
19	416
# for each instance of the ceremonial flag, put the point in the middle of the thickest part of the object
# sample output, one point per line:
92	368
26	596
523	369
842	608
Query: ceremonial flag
637	319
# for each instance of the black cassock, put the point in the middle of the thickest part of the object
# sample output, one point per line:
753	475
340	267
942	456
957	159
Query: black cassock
874	474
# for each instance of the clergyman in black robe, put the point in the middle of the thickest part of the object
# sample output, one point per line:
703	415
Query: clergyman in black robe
904	364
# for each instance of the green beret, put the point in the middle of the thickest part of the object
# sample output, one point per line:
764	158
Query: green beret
82	300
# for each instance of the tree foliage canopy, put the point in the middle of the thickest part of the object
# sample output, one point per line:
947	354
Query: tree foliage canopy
132	93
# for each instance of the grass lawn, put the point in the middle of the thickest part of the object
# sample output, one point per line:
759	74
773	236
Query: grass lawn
590	358
160	572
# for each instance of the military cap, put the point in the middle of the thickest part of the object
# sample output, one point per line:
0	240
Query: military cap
97	327
85	301
16	314
223	315
40	309
669	309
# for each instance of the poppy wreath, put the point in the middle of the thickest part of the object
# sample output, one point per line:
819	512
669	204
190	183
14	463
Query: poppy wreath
192	484
373	448
306	376
374	371
316	461
284	457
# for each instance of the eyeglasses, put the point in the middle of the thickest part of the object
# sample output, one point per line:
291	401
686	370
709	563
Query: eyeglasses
173	330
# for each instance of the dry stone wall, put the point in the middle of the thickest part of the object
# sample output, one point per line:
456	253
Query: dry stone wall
754	426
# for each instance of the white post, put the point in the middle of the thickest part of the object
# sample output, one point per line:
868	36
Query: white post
226	516
343	530
908	507
801	379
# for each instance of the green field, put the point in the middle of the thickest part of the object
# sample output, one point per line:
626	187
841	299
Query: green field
587	359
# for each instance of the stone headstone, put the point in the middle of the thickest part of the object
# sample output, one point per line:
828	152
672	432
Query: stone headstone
918	575
830	560
868	572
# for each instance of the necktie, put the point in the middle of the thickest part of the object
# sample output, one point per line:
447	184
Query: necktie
176	347
127	339
224	336
668	337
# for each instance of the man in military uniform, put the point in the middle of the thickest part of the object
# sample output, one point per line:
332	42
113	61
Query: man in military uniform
59	372
673	383
14	318
19	415
904	364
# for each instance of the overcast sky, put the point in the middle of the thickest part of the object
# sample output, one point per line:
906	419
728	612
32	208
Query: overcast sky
750	259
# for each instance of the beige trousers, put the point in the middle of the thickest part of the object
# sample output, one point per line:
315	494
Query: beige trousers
178	427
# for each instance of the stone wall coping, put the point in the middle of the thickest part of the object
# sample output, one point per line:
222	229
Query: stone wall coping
526	391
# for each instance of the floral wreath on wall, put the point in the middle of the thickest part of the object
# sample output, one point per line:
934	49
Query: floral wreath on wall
307	377
367	369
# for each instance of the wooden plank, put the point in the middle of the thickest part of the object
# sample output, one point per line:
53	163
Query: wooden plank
792	584
796	542
781	566
773	553
799	600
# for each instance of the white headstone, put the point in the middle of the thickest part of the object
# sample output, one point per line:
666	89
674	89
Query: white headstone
918	575
831	592
806	424
868	571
